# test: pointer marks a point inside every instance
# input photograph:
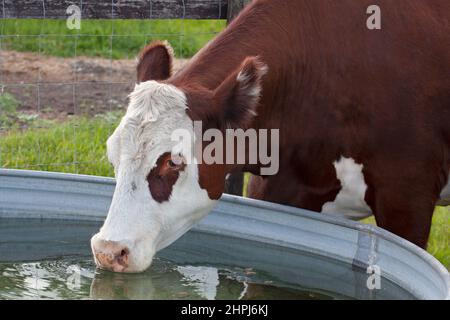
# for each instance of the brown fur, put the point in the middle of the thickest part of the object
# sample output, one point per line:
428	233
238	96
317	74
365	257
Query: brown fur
335	88
162	177
155	62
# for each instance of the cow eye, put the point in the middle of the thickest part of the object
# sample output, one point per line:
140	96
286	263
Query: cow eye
171	164
175	161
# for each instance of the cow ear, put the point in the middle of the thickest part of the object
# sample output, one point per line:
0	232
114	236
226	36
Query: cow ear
238	95
155	62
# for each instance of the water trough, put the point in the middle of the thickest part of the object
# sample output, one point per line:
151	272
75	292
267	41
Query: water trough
295	246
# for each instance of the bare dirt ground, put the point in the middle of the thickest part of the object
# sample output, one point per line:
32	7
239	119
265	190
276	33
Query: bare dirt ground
56	87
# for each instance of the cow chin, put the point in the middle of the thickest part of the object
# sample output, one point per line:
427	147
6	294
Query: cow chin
141	257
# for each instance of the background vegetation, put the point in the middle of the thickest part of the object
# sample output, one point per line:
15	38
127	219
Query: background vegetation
106	38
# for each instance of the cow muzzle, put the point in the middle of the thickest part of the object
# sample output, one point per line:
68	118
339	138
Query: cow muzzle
111	255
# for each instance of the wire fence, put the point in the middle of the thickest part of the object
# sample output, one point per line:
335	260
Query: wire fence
62	91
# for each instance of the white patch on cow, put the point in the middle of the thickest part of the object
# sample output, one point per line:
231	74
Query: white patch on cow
264	69
135	219
349	202
445	195
251	89
255	92
150	98
242	77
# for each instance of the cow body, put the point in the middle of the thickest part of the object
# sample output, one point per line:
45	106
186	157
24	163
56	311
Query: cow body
364	120
339	90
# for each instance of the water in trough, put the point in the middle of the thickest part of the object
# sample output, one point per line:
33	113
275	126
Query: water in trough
51	259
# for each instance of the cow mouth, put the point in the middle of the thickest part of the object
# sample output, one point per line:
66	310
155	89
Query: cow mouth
110	263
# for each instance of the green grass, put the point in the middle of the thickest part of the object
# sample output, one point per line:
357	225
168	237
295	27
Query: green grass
77	145
439	244
52	37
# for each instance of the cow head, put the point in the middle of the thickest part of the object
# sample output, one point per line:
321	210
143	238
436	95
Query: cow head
159	195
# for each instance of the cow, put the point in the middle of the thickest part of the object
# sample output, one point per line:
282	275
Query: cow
363	117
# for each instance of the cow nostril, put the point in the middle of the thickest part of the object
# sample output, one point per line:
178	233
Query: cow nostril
124	252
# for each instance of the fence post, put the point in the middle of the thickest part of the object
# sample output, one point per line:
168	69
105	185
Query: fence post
234	7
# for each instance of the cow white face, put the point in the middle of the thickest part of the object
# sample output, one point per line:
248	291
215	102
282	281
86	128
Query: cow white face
157	196
161	191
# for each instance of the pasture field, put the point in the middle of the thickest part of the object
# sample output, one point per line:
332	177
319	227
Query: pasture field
61	135
116	39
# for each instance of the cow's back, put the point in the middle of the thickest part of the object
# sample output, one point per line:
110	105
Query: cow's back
363	114
360	88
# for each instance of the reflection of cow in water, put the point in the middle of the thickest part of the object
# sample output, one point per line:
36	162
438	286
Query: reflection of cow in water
204	283
363	116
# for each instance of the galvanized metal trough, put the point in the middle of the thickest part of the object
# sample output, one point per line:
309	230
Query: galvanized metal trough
295	246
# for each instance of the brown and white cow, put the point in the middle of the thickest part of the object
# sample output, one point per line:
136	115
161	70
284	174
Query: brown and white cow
364	119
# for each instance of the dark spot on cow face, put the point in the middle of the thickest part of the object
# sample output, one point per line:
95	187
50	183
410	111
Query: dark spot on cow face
163	176
133	186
